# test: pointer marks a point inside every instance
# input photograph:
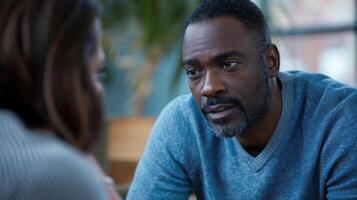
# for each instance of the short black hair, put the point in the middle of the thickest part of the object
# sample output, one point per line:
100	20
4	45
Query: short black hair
243	10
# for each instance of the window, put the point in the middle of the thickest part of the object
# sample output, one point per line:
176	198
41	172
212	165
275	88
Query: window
316	36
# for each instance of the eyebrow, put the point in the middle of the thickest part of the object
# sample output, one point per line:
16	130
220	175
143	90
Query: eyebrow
223	55
191	61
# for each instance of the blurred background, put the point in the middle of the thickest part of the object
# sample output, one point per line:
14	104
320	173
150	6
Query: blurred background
143	72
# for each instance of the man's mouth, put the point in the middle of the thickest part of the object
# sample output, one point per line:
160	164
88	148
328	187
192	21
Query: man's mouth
219	111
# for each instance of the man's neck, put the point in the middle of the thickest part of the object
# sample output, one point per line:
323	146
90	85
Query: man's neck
261	132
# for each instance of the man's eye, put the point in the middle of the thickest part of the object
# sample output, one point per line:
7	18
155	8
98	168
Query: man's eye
230	65
192	73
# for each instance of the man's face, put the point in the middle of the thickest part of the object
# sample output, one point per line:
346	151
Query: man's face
226	74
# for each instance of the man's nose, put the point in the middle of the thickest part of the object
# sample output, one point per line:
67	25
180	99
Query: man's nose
213	85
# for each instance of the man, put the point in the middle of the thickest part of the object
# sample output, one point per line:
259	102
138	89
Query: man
249	131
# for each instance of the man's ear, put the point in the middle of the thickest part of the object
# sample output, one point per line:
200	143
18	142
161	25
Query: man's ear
272	58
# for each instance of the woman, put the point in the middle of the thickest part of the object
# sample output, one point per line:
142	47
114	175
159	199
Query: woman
50	111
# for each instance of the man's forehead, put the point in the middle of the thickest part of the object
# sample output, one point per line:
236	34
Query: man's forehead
214	36
192	59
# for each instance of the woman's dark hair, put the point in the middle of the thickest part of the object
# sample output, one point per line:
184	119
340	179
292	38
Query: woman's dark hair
45	50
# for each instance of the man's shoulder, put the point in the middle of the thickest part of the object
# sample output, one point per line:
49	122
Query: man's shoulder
180	122
185	101
321	89
325	104
317	81
180	108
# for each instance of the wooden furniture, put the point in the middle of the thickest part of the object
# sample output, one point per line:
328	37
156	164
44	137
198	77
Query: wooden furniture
126	142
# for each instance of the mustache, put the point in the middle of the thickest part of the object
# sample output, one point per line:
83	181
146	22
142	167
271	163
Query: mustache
211	101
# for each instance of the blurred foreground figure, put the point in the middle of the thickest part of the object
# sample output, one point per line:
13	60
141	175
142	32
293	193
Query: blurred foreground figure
248	131
50	110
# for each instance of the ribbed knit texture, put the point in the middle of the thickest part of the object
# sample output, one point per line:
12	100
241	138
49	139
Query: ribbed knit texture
311	155
35	165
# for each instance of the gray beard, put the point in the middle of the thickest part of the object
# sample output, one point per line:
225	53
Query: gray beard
223	129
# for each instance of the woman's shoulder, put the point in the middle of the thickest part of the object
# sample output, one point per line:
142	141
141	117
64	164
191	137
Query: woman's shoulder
36	164
62	176
25	144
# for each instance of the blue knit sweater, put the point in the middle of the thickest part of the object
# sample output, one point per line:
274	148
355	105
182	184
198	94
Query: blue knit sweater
311	155
36	165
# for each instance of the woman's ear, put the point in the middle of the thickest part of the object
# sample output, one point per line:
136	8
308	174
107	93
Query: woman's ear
272	58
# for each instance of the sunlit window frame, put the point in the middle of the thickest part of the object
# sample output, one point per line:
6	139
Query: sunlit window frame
303	31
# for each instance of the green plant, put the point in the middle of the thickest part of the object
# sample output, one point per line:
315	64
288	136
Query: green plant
160	27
